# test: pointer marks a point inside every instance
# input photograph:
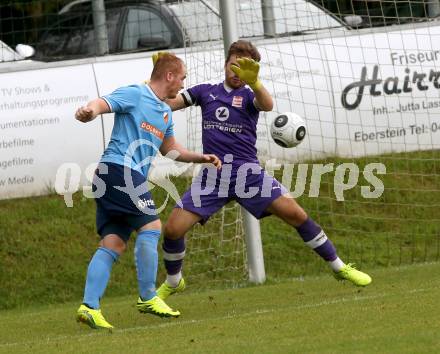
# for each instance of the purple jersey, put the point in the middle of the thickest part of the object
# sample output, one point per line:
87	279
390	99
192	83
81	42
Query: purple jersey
229	127
229	120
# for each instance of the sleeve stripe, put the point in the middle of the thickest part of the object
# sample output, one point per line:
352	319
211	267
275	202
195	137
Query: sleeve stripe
188	98
193	99
108	103
185	100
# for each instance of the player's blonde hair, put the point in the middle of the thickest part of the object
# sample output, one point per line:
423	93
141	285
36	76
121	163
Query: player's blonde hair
242	48
167	62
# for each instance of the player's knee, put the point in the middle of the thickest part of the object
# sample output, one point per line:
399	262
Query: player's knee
121	248
171	231
114	243
295	215
299	216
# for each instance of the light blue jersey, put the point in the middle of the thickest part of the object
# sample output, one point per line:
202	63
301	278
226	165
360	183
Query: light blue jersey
142	120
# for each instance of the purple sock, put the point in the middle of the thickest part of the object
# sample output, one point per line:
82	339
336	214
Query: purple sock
316	239
173	254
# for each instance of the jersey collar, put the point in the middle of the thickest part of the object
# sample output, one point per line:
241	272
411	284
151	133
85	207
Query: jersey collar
227	88
154	95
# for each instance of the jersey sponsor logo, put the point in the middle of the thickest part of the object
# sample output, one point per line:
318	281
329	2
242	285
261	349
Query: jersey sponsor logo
165	117
212	96
224	127
222	114
237	101
152	129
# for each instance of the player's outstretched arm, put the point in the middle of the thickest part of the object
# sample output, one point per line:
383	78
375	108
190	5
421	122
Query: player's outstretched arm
247	71
263	99
92	110
176	103
176	151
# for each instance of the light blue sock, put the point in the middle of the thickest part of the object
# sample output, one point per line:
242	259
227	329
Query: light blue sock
145	255
98	275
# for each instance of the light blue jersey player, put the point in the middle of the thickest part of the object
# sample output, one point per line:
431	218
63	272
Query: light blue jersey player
143	126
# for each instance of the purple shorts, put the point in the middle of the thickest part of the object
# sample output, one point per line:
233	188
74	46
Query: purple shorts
248	184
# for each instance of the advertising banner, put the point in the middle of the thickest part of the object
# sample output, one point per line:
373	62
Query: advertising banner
38	131
387	91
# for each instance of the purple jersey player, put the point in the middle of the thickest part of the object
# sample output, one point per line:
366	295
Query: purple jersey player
230	111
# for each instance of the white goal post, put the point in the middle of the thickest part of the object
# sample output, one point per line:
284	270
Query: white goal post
254	246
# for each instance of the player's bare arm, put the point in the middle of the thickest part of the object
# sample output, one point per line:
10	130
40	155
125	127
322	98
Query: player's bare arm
176	103
92	110
263	99
185	155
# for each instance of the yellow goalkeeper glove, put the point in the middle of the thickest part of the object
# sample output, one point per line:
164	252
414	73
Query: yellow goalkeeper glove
248	72
156	57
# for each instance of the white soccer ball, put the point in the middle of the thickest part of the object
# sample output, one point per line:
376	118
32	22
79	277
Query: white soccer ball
288	129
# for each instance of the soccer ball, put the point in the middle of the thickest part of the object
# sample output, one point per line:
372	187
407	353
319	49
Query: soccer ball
288	130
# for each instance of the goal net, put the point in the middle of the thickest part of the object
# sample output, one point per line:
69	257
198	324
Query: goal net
365	75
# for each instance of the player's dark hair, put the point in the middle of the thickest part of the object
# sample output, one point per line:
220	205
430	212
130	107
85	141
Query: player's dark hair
167	62
242	48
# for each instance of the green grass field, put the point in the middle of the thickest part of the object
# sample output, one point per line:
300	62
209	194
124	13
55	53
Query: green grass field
398	313
45	248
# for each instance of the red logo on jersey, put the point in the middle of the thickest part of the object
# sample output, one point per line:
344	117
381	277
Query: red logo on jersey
237	101
152	129
165	117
